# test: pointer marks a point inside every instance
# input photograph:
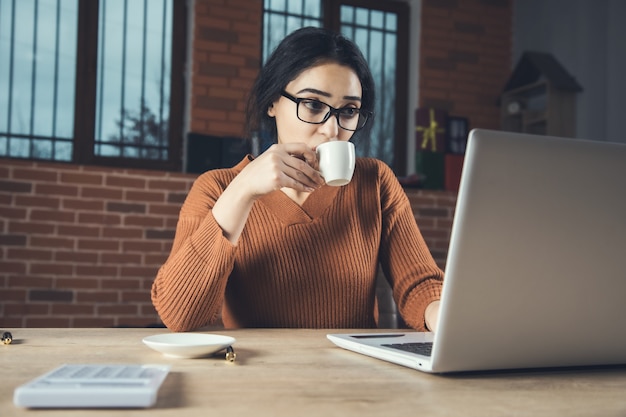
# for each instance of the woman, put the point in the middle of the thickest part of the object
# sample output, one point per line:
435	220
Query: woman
268	244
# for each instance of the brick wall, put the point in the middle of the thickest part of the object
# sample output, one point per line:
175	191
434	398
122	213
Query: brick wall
80	246
226	53
434	211
465	57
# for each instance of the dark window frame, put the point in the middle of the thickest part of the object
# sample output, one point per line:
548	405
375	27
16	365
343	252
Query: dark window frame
402	9
331	18
85	93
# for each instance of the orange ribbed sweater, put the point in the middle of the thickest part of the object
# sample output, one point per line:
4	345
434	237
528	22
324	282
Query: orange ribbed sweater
311	266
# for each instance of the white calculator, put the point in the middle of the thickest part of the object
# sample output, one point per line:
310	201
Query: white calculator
93	386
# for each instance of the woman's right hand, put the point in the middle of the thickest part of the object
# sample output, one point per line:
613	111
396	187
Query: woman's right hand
289	165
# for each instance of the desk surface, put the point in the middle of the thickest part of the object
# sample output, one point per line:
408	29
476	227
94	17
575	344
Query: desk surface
287	372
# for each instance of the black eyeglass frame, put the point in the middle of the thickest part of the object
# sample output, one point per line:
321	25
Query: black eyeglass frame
363	114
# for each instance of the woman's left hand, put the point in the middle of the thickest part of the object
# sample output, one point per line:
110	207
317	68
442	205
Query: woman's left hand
431	316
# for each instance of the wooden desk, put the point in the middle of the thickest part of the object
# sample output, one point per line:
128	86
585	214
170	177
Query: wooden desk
300	373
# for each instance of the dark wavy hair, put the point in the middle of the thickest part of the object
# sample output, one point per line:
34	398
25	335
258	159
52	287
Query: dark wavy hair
299	51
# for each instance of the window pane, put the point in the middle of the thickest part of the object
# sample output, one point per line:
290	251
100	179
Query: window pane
279	5
295	7
66	69
37	75
6	29
347	14
391	22
132	105
377	19
23	61
362	16
280	18
44	74
369	30
63	151
312	8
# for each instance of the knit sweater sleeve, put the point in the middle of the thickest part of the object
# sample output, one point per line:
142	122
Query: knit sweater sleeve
189	288
404	256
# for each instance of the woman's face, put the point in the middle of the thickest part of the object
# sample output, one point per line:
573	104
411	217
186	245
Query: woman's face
330	83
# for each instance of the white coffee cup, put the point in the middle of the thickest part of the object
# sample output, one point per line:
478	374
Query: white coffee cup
336	161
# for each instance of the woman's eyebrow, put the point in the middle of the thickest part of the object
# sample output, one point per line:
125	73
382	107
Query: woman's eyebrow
325	94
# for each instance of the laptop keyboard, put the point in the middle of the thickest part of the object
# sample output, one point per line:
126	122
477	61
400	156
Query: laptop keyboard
424	348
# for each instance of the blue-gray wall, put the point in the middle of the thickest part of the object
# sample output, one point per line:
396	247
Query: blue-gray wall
588	37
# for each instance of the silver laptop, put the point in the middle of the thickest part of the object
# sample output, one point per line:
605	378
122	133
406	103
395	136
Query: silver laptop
536	269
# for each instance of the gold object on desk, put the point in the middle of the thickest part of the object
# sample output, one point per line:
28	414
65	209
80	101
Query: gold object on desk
230	354
298	372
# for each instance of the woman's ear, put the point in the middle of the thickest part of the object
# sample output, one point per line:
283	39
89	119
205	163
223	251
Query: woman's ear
270	110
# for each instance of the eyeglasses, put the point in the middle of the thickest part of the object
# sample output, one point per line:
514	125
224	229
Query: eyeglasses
316	112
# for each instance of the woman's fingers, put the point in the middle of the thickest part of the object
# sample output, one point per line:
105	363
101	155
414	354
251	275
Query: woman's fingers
303	172
283	165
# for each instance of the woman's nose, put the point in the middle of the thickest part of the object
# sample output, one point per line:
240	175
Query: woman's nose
330	127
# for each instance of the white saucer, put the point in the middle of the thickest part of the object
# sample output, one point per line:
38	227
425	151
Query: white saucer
188	345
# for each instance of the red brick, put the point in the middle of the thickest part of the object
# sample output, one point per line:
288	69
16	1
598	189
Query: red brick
100	218
81	178
8	295
73	309
82	205
76	257
50	295
138	271
147	196
100	244
121	258
15	187
13	240
78	231
29	254
125	207
56	269
94	322
117	310
171	210
56	190
32	174
12	267
47	322
141	246
31	228
97	297
27	281
26	309
122	232
52	216
83	283
120	284
51	242
136	296
96	271
102	193
13	213
138	321
144	221
12	322
125	181
171	185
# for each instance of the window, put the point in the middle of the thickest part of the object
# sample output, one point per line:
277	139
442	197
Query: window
91	81
380	29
